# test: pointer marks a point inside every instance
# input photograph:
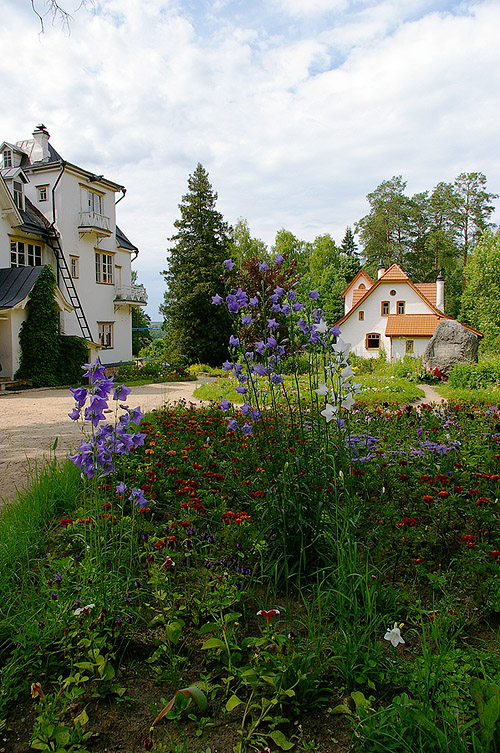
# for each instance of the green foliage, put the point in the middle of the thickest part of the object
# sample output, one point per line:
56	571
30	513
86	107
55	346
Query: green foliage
197	330
73	353
481	298
39	334
473	376
243	246
155	371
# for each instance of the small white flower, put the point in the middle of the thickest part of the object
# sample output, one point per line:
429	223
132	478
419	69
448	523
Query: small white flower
321	327
322	390
341	347
81	610
347	402
329	412
347	372
394	636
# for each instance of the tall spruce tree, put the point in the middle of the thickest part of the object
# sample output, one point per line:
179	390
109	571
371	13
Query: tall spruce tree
198	330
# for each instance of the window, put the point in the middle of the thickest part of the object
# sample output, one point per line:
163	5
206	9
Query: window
74	266
18	194
373	341
105	330
362	286
94	202
392	292
25	254
401	307
7	158
409	346
41	192
104	268
361	316
384	308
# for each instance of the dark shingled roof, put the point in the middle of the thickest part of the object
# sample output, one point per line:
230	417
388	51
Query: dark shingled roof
33	220
123	241
16	284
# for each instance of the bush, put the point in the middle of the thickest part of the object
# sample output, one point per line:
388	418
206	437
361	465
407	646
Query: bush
155	371
476	375
73	354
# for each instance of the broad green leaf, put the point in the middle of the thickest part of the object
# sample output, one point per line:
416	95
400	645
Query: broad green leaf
214	643
280	740
233	702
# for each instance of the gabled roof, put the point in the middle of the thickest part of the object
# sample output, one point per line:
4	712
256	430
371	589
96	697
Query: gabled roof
16	284
362	274
429	290
8	207
393	274
27	146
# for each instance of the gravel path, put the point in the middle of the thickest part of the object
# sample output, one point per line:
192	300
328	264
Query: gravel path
31	420
431	396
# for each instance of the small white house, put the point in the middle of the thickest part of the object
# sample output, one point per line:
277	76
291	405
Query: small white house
391	314
54	212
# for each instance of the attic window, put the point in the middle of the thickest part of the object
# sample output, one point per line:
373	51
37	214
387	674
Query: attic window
384	308
361	316
392	292
18	194
7	158
41	193
362	286
401	307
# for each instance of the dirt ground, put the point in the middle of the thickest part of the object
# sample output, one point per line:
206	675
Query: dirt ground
31	421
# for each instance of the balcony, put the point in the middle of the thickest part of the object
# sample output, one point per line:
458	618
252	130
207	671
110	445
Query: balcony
135	295
92	222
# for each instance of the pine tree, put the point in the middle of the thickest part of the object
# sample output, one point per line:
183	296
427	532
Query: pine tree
349	245
198	330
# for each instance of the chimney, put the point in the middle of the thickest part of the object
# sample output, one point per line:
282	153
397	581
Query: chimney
381	269
40	152
440	292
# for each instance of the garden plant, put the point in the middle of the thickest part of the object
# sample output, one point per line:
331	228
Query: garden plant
297	570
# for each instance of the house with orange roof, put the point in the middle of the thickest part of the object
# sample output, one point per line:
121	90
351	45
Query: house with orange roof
391	314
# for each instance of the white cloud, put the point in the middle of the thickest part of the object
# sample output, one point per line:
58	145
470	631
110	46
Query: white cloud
295	124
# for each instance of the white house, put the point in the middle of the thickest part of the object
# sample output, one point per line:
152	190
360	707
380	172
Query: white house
54	212
392	314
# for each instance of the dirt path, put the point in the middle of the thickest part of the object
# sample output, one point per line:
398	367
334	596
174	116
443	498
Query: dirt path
31	420
431	396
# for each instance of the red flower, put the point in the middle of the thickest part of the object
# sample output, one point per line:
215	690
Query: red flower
268	615
443	494
428	498
468	540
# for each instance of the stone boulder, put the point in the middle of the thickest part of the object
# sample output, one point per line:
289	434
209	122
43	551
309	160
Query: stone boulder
451	343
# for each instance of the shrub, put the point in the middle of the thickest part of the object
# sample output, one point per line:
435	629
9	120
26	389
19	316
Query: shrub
73	354
476	375
156	371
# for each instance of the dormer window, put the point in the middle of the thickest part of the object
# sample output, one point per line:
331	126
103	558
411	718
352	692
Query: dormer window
7	157
17	190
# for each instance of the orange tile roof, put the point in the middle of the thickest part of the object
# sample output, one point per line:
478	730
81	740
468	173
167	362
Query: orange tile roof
361	274
411	325
393	274
428	289
358	294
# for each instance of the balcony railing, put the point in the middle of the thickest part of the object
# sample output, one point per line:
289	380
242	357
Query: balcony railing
94	222
134	294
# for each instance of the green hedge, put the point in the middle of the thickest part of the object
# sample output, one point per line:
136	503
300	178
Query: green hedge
156	371
476	375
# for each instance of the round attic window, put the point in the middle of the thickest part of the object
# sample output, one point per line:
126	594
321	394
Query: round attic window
393	292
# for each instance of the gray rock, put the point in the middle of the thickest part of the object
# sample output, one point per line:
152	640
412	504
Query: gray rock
451	343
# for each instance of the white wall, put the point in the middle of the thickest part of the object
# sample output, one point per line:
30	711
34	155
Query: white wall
354	331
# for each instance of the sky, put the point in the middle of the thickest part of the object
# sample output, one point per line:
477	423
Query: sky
296	108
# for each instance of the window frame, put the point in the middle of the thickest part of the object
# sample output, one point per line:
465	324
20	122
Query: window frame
42	193
104	268
74	267
29	249
105	333
383	306
409	346
361	316
18	194
95	202
7	158
372	335
400	305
